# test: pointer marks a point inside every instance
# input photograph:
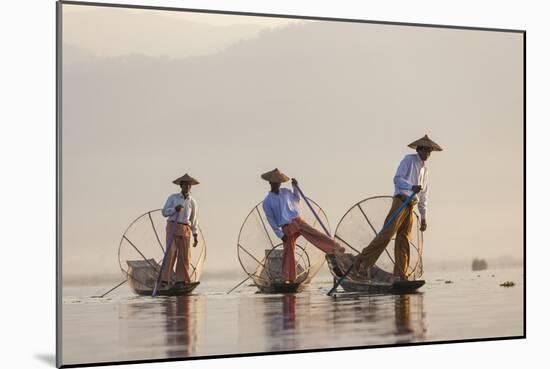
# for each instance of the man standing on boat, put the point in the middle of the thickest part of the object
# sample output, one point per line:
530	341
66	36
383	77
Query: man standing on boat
281	208
181	211
411	177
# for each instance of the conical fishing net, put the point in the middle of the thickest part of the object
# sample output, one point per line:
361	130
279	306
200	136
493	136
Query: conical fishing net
142	247
364	220
260	250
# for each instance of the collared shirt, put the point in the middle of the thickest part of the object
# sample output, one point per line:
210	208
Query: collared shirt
412	171
187	214
281	208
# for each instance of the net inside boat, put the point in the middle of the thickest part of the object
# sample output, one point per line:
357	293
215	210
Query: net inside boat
364	220
142	246
260	250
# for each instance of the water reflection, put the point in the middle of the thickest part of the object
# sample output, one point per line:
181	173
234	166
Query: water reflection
285	322
130	327
179	320
304	321
181	326
281	329
289	311
407	327
403	315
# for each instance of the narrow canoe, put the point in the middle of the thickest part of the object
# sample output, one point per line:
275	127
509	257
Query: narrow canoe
380	283
142	276
183	290
278	287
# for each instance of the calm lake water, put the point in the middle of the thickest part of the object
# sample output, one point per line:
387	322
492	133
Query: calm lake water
123	326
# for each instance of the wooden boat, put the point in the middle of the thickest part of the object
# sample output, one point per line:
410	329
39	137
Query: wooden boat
187	289
142	276
279	287
380	281
373	286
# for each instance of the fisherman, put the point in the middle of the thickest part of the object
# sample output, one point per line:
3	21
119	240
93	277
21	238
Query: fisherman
181	211
281	208
411	177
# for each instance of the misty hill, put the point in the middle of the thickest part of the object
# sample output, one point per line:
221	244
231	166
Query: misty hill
112	32
305	79
74	54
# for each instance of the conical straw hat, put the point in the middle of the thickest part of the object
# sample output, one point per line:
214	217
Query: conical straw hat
185	178
425	142
275	176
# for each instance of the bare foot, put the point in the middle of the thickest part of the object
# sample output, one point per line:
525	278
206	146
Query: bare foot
397	278
357	265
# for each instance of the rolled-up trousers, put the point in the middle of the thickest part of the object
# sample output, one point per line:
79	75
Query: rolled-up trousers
400	227
298	227
179	253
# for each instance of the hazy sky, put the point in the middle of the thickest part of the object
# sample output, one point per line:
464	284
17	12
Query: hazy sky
149	95
108	32
204	18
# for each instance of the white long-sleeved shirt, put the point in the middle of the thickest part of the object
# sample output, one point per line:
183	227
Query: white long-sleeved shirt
187	214
412	171
281	208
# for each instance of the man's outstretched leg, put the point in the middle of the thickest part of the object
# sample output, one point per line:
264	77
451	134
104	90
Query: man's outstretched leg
317	238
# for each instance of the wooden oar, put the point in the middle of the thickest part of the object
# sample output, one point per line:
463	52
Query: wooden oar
168	247
241	282
390	221
312	210
111	290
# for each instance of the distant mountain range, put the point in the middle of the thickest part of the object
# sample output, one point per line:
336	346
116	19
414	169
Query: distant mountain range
112	32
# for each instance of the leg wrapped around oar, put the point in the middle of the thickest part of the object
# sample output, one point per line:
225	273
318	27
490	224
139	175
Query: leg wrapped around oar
401	222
